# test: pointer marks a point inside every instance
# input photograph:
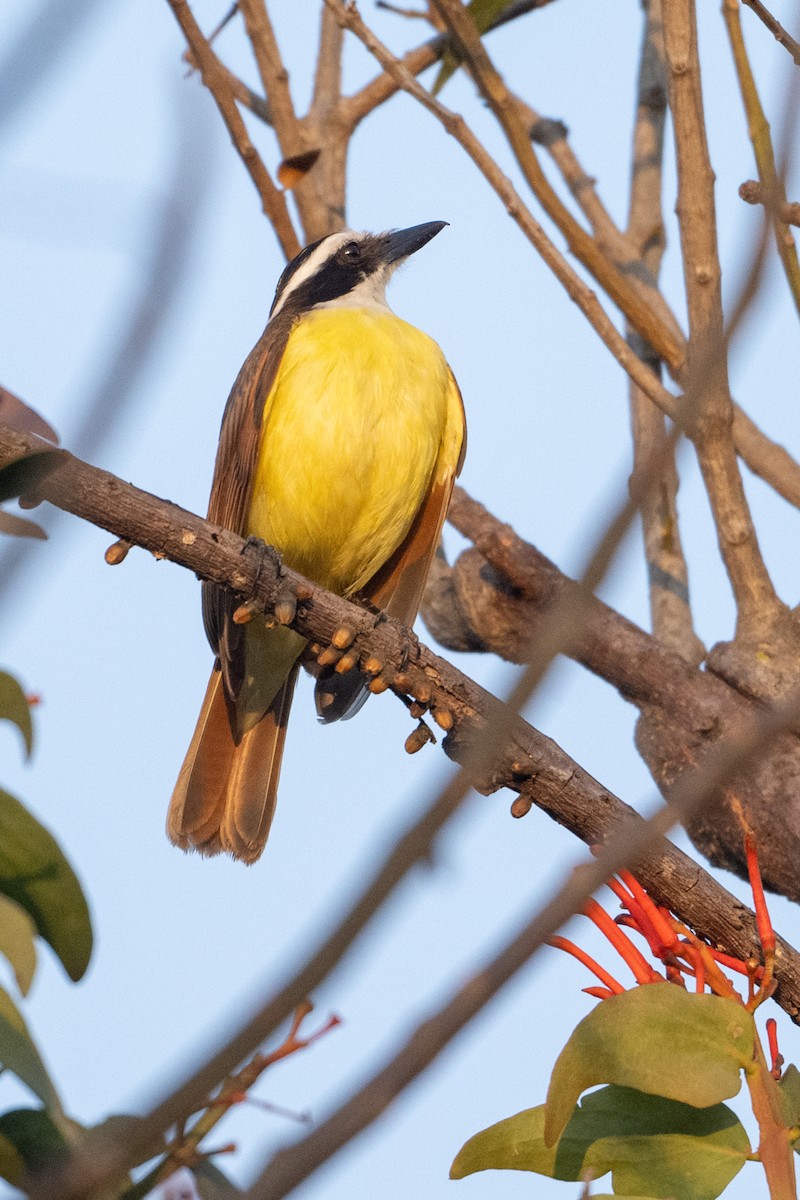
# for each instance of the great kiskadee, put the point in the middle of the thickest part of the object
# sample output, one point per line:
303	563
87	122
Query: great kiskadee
339	446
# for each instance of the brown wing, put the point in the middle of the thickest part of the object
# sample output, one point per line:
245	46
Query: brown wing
237	453
399	585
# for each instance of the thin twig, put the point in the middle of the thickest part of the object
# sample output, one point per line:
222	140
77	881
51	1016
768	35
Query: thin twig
752	192
507	113
385	85
616	245
775	28
774	196
670	613
216	80
712	412
274	76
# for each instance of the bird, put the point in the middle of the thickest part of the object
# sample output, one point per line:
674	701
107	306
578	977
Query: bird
339	446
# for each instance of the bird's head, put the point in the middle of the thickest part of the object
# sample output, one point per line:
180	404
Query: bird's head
348	269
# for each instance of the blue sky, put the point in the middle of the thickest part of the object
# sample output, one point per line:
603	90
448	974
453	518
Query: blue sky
184	945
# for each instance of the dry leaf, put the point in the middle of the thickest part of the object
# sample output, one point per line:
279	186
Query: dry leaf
292	169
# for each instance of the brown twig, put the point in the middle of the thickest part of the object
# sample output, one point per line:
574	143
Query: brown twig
617	246
752	192
775	28
774	196
326	123
385	85
507	113
216	80
184	1147
670	612
712	409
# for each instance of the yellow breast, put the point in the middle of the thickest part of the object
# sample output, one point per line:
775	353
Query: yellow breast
350	436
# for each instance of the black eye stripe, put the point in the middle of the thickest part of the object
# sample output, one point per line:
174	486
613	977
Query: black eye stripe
336	276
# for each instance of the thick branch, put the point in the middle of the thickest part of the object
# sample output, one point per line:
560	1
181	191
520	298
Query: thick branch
528	761
498	597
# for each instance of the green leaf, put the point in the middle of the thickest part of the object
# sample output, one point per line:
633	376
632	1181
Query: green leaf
16	526
36	1138
19	1055
653	1147
658	1039
484	13
24	473
35	873
789	1088
14	707
17	933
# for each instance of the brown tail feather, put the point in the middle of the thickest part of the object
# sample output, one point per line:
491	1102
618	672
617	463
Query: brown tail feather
225	796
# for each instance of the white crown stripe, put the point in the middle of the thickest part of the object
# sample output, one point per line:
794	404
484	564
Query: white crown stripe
313	263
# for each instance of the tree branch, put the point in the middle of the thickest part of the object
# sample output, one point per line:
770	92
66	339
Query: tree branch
712	419
775	28
385	85
215	78
667	574
774	196
527	761
498	596
506	110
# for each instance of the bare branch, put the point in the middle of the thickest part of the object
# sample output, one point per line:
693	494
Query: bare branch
752	192
670	613
712	415
617	246
774	196
273	73
326	122
775	28
505	108
216	80
385	85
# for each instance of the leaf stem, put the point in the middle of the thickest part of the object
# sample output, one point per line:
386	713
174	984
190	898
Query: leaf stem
775	1150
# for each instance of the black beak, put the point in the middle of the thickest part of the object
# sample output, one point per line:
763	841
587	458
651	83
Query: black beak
403	242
